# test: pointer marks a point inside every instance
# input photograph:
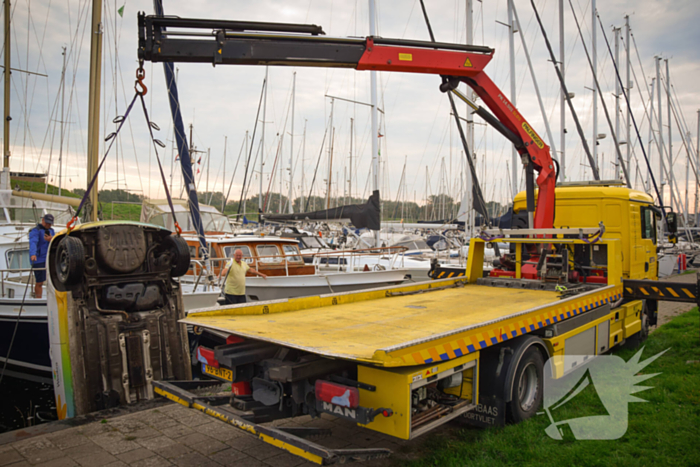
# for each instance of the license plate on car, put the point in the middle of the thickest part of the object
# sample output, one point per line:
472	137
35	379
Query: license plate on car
220	373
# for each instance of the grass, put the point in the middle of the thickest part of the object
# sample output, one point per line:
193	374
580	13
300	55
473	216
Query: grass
663	431
121	212
39	187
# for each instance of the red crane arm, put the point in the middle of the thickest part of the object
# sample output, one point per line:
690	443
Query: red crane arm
223	42
469	67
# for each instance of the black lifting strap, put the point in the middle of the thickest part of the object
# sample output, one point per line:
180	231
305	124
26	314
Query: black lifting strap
112	137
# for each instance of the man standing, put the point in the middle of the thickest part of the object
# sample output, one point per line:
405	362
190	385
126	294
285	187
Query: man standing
234	289
39	239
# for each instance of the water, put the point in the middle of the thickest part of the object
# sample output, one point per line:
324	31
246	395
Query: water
25	404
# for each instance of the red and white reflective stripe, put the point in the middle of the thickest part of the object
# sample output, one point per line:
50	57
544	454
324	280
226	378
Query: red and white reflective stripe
337	394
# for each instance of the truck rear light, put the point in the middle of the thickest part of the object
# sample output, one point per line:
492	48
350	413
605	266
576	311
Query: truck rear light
337	394
241	389
206	356
231	339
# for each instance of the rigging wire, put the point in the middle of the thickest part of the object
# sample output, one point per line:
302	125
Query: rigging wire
244	189
634	120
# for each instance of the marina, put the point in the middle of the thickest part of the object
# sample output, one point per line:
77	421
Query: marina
428	213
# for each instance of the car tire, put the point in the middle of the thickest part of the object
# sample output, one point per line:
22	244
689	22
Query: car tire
179	255
69	263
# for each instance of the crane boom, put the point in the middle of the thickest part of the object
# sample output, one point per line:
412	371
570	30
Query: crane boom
282	44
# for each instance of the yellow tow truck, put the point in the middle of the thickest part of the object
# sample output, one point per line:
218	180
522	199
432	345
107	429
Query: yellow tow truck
404	360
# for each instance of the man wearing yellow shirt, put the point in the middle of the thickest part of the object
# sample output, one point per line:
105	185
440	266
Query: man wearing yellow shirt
234	289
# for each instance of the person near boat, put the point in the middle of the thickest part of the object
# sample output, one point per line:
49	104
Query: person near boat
234	287
39	239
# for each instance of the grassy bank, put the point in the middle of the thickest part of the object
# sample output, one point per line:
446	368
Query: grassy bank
663	431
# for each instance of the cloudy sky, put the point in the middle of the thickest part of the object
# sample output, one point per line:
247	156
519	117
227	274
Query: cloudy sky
221	102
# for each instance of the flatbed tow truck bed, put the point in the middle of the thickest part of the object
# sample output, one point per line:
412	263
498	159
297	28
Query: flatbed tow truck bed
424	325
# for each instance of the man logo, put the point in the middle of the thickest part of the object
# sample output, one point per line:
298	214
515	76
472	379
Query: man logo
606	379
342	411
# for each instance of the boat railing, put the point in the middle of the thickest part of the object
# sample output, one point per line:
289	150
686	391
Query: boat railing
15	276
350	259
213	274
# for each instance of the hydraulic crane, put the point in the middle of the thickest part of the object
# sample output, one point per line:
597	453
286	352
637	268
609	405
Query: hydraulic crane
219	42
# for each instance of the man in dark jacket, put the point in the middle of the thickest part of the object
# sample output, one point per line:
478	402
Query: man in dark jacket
39	239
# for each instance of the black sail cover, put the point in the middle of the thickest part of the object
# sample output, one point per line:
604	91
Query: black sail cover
362	216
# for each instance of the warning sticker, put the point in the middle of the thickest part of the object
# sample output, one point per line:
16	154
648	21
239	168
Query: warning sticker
468	63
406	57
535	138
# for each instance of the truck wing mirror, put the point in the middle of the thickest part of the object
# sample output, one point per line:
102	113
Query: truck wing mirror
672	222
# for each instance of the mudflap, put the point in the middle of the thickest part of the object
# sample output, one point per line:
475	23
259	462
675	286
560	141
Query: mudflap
497	366
293	440
491	410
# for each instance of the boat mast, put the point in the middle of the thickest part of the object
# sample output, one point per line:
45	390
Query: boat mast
651	134
617	32
262	139
303	153
93	145
671	178
562	104
519	29
629	87
243	188
697	167
60	147
291	147
373	101
594	59
469	221
223	177
657	60
330	159
511	59
352	133
7	71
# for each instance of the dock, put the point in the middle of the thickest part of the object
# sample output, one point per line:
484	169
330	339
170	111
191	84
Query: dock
172	435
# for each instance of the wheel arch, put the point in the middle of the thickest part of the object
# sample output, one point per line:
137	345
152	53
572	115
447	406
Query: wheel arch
521	346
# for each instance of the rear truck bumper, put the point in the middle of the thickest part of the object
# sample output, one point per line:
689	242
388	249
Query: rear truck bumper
655	291
293	440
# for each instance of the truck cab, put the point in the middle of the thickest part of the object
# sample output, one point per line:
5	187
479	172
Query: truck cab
626	214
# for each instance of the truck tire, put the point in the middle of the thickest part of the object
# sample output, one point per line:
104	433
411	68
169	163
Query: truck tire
179	255
527	386
70	263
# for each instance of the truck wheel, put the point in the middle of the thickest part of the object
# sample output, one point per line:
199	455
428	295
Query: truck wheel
179	255
70	262
527	387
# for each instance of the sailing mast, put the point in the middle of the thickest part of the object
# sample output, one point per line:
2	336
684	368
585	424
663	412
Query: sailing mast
562	98
60	148
291	147
594	60
659	114
373	101
223	176
5	183
262	142
511	60
93	140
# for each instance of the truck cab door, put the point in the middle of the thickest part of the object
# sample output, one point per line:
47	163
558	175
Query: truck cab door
649	241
